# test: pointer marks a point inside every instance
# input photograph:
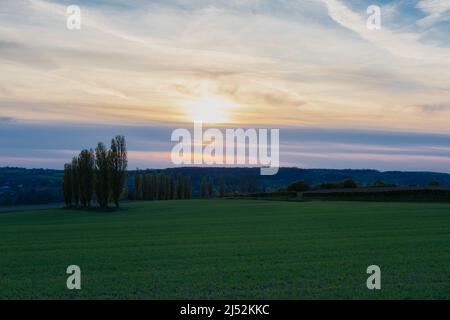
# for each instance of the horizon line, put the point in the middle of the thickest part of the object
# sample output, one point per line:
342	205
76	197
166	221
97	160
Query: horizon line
237	167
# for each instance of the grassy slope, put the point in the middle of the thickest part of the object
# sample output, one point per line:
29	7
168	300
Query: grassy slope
229	249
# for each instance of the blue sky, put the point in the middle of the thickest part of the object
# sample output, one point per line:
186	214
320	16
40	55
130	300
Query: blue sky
343	95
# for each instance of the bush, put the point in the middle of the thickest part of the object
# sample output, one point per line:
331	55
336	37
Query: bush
346	184
298	186
378	184
434	184
349	184
328	185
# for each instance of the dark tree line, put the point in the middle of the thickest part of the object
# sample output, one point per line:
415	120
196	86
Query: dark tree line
151	186
101	173
207	189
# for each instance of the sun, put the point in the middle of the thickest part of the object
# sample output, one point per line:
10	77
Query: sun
211	109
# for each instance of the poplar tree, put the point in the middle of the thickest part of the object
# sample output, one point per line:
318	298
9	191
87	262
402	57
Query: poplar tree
180	194
172	188
165	187
187	187
86	164
210	187
169	187
153	187
102	184
222	187
203	188
158	187
118	168
145	186
139	185
75	182
67	184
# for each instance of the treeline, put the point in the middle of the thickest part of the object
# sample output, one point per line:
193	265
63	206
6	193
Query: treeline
301	186
159	186
207	188
101	173
152	186
433	194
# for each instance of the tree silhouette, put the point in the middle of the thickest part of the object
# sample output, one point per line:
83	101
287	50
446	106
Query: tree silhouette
75	182
102	184
86	164
222	187
118	168
67	184
210	187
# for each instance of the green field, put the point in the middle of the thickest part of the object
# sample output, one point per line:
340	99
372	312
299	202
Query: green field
229	249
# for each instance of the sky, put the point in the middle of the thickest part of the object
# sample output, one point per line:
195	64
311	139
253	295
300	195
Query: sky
342	94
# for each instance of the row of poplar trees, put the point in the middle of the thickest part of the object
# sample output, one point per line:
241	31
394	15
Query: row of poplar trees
151	186
102	173
207	187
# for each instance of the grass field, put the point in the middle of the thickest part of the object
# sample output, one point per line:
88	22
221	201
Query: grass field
229	249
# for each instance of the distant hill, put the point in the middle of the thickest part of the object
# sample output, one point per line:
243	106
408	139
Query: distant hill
318	176
35	186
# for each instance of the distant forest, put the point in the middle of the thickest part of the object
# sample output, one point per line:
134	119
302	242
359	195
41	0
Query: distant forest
20	186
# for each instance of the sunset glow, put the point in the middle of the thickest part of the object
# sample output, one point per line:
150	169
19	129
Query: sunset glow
209	110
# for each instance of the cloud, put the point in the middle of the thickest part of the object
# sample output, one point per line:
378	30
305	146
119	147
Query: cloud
436	10
6	120
401	44
431	108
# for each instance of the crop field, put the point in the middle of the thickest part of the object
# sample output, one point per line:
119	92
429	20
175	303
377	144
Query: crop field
229	249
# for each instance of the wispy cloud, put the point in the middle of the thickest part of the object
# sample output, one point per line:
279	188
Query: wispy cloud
431	108
436	10
5	120
402	44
